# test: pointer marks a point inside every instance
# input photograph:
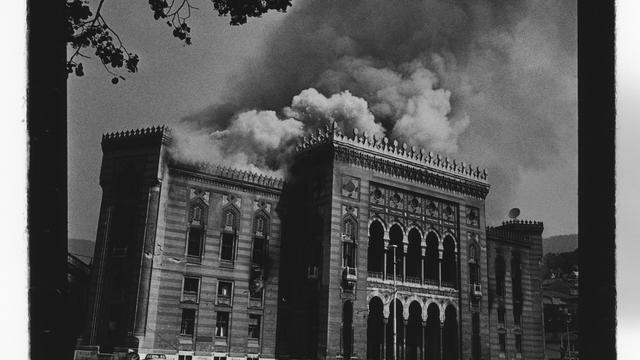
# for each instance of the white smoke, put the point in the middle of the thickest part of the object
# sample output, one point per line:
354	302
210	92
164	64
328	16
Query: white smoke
492	80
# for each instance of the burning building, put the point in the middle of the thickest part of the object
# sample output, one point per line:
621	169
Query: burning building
365	236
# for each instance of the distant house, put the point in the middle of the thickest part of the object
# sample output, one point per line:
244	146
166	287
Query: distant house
78	276
560	299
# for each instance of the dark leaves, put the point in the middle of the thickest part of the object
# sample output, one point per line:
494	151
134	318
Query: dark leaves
79	70
240	11
88	31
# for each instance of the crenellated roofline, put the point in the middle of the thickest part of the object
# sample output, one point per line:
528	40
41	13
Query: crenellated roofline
332	134
137	133
244	176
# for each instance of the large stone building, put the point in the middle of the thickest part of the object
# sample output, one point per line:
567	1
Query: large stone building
203	262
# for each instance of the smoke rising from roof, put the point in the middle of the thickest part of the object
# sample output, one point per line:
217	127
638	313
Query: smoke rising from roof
492	81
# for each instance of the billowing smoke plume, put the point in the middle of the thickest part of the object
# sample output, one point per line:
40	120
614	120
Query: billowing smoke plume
492	82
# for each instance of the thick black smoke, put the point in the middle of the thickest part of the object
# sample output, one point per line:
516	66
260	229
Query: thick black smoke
492	82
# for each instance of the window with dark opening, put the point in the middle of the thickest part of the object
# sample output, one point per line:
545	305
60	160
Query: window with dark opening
503	342
224	288
227	246
501	316
500	274
254	326
475	337
517	314
194	244
222	324
188	321
519	343
258	252
348	254
191	286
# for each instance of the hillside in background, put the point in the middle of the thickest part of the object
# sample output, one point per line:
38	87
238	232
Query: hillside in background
560	244
81	248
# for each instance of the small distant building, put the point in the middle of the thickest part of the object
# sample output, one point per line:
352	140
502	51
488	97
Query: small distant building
561	316
202	262
78	277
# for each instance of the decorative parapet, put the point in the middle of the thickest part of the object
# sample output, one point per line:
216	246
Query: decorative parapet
150	136
163	133
383	146
163	130
244	176
522	222
515	230
249	177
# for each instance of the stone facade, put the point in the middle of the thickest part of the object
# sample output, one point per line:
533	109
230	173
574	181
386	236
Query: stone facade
196	261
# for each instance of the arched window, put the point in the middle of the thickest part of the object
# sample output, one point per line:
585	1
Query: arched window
395	239
474	265
516	277
450	334
375	331
500	274
414	253
433	332
259	249
228	243
375	253
432	259
516	288
449	271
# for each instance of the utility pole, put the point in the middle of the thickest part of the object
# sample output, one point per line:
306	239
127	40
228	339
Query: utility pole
395	308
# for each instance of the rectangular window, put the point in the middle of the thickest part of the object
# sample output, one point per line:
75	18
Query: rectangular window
188	321
503	342
256	295
257	256
254	326
190	289
194	243
222	324
518	343
225	289
501	316
191	285
185	357
226	252
219	358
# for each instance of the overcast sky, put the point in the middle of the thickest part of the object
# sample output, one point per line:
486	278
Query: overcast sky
494	85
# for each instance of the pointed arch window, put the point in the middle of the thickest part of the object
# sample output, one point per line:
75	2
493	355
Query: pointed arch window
259	248
196	231
348	243
228	242
474	265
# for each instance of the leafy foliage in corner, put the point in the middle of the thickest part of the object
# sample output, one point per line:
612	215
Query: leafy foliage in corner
85	30
88	31
240	10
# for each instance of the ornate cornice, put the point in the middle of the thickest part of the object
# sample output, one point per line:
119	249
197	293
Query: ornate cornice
515	231
400	161
228	177
153	135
